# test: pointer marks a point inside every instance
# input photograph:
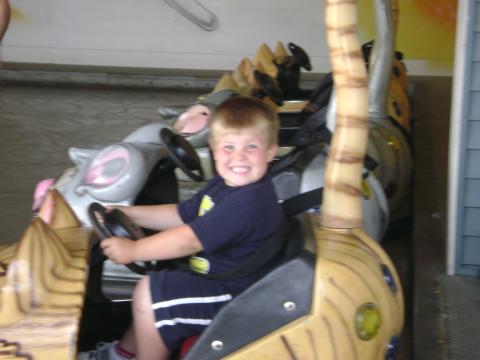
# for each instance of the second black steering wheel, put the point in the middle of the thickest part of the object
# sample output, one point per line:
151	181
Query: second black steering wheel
269	87
301	56
182	153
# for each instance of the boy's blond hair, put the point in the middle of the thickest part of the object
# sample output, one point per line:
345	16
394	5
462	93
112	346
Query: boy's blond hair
242	112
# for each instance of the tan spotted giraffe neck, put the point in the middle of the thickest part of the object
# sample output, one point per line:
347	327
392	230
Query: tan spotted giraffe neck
341	207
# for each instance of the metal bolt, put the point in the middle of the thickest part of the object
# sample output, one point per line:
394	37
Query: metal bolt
289	306
217	345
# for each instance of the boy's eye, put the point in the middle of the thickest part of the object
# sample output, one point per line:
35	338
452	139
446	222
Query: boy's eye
228	147
251	146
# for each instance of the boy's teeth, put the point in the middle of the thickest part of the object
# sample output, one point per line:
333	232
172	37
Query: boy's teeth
239	169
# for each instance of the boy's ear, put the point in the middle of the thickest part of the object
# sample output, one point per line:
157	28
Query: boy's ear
271	152
210	141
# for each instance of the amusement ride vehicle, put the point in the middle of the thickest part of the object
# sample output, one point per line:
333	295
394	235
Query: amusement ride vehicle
335	294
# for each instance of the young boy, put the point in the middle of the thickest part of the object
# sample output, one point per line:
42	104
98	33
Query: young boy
220	227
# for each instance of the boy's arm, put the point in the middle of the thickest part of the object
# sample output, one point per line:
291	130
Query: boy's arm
155	217
170	244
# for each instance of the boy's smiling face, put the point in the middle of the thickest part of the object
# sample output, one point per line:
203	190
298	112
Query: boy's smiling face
242	156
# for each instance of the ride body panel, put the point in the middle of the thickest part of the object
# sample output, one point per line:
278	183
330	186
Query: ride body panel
42	289
112	175
399	104
388	147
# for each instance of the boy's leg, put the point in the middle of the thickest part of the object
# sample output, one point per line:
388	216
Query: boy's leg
148	343
127	342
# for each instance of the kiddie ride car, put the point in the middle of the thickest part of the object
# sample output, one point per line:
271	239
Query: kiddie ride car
335	296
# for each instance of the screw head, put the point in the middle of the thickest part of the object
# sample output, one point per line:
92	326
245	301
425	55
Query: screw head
217	345
289	306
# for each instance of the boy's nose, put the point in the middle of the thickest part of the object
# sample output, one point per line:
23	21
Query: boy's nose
239	154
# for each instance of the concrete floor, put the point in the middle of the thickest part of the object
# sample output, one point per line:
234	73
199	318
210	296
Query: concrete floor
39	123
431	116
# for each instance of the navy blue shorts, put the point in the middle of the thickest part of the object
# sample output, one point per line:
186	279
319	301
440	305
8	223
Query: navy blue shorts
184	304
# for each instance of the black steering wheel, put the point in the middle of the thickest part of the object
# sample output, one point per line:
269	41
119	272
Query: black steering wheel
116	223
269	87
182	153
301	57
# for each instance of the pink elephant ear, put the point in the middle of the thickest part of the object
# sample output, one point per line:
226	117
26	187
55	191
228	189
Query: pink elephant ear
40	191
107	167
193	120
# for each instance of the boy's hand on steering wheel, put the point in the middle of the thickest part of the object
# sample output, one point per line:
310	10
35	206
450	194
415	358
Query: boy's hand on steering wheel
112	206
118	249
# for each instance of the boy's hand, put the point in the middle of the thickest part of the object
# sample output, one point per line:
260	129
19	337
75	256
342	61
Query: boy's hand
118	249
113	206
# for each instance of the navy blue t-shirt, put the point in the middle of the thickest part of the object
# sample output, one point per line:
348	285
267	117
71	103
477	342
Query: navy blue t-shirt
231	223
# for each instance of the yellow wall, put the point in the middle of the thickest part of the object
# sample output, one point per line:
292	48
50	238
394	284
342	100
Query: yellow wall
426	28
